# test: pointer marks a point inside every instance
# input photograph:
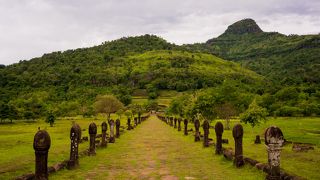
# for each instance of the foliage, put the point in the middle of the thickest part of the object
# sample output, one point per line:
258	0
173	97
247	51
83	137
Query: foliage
107	104
51	119
254	114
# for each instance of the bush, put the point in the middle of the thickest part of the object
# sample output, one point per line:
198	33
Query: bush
289	111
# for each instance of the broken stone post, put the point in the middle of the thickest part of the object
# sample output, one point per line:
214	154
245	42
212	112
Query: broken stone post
92	133
185	126
41	146
237	133
175	123
197	133
118	128
129	124
274	141
206	127
258	140
111	138
219	130
104	128
75	136
179	124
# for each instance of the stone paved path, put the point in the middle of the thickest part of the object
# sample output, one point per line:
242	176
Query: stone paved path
155	150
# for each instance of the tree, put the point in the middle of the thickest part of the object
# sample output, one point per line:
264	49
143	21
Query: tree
254	114
119	113
50	119
226	111
107	104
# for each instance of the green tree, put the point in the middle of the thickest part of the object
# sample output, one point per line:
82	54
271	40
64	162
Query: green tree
107	104
254	114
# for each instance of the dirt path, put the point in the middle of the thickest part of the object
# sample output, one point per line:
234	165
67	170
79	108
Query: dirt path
156	151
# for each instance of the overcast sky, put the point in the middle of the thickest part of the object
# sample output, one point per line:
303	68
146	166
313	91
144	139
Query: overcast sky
30	28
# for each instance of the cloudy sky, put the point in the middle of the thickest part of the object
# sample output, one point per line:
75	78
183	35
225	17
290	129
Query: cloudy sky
30	28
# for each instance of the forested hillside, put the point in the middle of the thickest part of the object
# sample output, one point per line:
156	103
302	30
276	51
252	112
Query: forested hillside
67	83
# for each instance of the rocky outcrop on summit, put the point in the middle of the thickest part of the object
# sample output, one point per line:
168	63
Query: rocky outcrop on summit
245	26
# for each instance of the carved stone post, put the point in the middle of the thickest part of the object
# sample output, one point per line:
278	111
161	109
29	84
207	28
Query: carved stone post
75	136
111	138
129	124
206	127
175	123
92	133
219	130
104	128
118	128
179	124
185	126
196	127
135	121
237	133
41	145
274	141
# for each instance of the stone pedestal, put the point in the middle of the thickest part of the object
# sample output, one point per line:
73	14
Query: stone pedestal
75	136
219	131
92	134
104	128
274	141
179	124
237	133
206	127
118	128
197	127
111	138
41	145
185	126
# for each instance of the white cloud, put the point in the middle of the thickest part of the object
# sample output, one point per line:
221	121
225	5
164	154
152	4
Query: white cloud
30	28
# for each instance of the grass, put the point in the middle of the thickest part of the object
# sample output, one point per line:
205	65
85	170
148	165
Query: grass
156	151
304	164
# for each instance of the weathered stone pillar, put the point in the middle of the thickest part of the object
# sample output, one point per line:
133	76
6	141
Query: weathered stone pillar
171	121
274	141
179	124
111	138
185	126
75	136
118	128
196	127
219	130
92	133
41	145
258	140
206	127
175	123
237	133
135	121
129	124
104	128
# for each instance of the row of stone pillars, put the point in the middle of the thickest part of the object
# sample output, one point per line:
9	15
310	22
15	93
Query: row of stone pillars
273	139
42	143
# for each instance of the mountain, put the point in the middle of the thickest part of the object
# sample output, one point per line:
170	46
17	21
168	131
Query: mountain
284	59
69	81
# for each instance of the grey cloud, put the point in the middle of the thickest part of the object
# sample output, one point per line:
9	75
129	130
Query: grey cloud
29	28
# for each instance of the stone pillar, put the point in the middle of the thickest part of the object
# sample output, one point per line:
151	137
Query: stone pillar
118	128
237	133
219	130
111	138
92	133
185	126
139	117
41	146
258	140
104	128
75	136
175	123
274	140
129	124
206	127
171	121
135	121
179	124
196	127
